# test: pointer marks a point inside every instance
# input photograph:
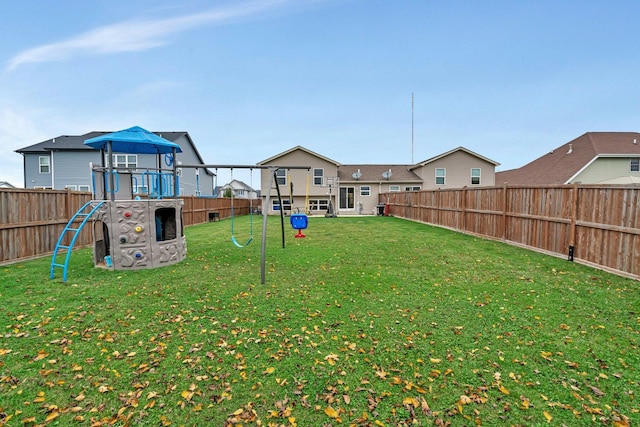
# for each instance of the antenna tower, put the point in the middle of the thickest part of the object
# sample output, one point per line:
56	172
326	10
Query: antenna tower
411	127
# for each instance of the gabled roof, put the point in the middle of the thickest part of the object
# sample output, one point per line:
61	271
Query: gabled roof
373	173
62	142
238	185
440	156
76	143
565	162
5	184
296	148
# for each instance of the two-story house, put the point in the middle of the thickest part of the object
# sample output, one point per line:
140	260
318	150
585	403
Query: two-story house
352	189
316	187
592	158
64	162
237	189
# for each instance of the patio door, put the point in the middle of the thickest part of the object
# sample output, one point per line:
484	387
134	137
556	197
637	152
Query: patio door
347	197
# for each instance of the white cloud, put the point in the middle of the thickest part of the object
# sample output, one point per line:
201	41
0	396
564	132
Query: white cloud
138	35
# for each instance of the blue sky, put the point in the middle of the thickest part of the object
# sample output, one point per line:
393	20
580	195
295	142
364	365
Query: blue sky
509	80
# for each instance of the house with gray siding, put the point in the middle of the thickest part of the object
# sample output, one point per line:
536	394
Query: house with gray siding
64	162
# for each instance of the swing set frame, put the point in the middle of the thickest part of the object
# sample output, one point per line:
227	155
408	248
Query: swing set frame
273	170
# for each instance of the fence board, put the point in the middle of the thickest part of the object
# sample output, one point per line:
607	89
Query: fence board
31	221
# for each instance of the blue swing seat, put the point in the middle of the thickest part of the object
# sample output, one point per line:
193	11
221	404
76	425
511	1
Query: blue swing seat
299	221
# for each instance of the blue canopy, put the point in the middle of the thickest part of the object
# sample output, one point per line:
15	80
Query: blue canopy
134	140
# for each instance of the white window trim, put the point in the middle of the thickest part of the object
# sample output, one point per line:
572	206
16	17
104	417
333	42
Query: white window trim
40	164
479	176
318	176
444	176
127	164
365	190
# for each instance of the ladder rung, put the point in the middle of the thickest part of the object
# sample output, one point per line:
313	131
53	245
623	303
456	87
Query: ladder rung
58	265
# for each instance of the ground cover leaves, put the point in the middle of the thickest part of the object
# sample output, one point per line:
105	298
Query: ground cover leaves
366	322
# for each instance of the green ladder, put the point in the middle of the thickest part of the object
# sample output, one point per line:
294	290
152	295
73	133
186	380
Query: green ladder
84	213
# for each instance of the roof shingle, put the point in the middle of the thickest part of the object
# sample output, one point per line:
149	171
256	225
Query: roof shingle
560	165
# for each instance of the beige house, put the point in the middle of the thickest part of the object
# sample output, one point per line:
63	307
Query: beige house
457	168
592	158
328	187
315	187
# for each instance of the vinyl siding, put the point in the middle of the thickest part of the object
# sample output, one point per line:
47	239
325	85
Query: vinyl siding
605	168
458	167
33	177
72	167
299	178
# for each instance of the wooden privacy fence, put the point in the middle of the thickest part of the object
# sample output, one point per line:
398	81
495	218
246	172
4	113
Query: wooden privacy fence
596	225
31	220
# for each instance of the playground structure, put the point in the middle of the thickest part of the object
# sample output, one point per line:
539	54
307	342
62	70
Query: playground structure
132	229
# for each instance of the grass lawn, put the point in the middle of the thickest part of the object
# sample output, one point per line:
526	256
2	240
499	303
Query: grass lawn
369	321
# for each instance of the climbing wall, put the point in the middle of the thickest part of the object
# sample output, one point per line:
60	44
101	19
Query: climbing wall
140	234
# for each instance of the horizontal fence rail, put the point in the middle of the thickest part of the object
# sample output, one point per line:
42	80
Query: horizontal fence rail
594	224
31	220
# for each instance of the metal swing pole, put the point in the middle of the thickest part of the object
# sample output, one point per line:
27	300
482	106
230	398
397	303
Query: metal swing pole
265	209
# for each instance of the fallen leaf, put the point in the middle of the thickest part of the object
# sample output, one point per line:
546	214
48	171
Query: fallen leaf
331	413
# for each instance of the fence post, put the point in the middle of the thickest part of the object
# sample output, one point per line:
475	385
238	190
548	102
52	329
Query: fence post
464	208
572	229
504	211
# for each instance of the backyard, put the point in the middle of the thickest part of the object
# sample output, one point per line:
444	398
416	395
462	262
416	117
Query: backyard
368	321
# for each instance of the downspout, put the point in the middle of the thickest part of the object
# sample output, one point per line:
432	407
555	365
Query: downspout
112	181
53	181
176	190
159	169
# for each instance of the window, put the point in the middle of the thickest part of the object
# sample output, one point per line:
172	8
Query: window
413	188
475	176
635	164
394	188
141	189
70	187
125	161
440	176
318	205
281	177
240	193
45	164
84	188
286	205
365	190
318	177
